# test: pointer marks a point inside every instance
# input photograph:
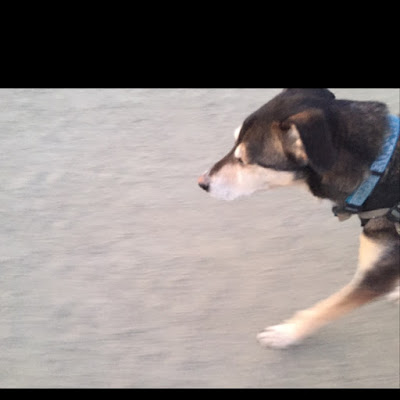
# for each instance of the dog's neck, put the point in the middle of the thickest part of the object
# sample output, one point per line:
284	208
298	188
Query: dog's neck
334	185
355	152
352	169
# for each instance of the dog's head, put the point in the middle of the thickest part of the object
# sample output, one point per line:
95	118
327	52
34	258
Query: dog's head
275	144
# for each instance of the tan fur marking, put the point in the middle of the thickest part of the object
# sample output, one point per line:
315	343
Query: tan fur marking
348	298
237	132
369	253
238	151
303	116
234	180
304	323
352	296
241	152
296	144
340	303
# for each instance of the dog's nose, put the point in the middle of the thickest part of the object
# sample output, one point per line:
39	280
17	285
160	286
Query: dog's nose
204	182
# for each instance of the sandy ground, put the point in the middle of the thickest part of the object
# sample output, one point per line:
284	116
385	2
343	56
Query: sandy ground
118	271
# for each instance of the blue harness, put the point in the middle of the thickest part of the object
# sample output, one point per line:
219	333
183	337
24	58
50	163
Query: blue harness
355	201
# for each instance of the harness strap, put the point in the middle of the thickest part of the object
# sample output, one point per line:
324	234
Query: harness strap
355	201
343	215
392	214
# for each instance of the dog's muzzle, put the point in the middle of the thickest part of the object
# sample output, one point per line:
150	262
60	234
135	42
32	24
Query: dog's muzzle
204	181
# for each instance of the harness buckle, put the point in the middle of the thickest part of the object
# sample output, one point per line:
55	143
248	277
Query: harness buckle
341	213
394	213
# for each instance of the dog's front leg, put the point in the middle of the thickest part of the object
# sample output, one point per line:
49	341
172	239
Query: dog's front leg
376	275
305	322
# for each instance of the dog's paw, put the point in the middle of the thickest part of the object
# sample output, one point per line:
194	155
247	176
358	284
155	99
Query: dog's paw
279	336
394	296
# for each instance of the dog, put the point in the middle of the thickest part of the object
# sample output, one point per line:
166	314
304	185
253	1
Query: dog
307	136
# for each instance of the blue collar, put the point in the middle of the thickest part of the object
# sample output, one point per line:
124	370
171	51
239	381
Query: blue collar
356	200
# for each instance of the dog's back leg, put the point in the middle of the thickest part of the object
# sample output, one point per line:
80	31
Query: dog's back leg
377	274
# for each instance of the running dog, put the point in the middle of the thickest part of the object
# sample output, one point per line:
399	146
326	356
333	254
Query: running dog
345	151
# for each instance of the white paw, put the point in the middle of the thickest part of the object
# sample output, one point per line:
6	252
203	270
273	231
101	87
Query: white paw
394	296
279	336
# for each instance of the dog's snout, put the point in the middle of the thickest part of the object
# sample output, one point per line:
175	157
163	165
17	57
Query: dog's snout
204	182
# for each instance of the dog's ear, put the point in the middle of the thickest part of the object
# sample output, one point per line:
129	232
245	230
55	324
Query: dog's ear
322	93
316	137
